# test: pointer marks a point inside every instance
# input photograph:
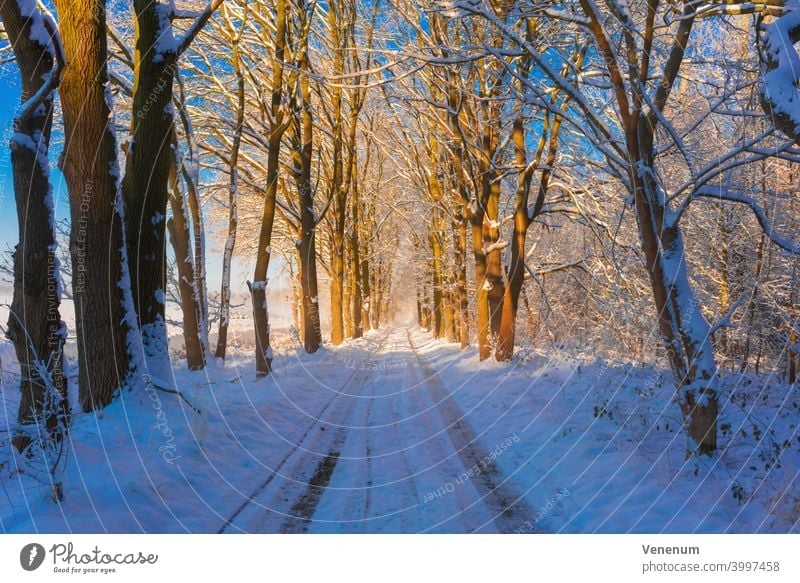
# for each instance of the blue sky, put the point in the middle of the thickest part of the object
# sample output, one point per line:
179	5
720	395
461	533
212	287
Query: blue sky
9	100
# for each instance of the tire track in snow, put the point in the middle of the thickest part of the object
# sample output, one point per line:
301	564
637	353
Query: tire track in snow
314	442
382	496
437	465
510	511
371	490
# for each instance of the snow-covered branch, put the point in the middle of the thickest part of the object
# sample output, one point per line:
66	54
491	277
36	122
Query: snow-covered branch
188	37
725	320
724	194
780	96
47	34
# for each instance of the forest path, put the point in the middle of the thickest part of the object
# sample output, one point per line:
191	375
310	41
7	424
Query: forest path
390	452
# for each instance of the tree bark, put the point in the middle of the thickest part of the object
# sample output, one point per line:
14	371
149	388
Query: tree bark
233	198
145	186
481	286
338	192
107	332
347	290
523	217
366	288
683	328
258	288
191	178
337	287
355	254
180	238
494	260
437	280
312	328
34	324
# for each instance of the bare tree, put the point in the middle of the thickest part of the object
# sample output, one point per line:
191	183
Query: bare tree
279	123
234	37
107	332
146	184
35	325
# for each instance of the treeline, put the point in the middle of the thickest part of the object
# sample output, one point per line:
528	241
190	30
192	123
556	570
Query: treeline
170	115
597	161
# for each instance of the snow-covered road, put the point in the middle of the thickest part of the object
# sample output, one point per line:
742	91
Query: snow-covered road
390	452
401	433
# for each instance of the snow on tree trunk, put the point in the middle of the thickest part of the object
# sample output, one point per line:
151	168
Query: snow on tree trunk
233	196
34	324
146	182
684	330
107	334
180	237
780	96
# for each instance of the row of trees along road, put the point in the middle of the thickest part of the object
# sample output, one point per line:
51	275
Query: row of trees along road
531	170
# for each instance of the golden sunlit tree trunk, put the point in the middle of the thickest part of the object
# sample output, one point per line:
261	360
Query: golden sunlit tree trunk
279	122
524	213
233	184
107	334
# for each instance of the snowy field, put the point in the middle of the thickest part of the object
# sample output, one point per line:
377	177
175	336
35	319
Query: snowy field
397	432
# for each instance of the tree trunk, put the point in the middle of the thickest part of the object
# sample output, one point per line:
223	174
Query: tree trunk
523	216
683	328
516	278
419	309
145	186
337	289
481	286
494	260
366	289
753	301
105	319
347	290
450	312
297	296
198	232
338	192
196	236
258	288
462	301
233	202
355	299
355	261
437	279
724	276
463	215
312	328
180	238
377	296
34	324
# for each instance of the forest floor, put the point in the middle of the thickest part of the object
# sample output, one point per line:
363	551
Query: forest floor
398	432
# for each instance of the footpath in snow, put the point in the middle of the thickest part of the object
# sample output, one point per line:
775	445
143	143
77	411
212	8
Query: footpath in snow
400	433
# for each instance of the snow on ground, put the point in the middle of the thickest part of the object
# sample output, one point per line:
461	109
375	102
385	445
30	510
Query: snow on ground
400	433
601	448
